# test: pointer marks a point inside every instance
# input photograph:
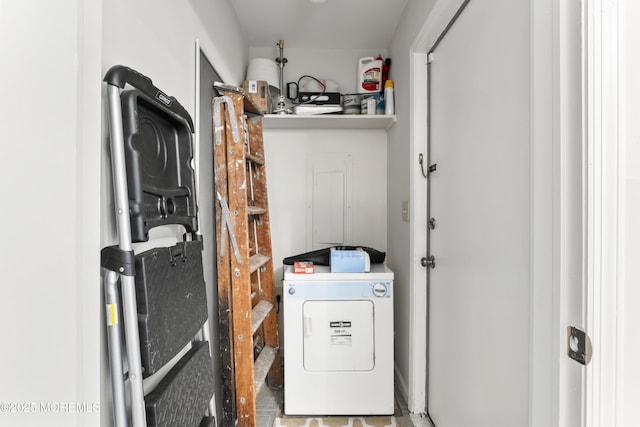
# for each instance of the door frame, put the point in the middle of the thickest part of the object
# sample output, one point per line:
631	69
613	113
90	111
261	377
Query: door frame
435	24
548	276
605	142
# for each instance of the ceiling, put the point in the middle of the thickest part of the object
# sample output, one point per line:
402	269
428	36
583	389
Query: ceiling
329	24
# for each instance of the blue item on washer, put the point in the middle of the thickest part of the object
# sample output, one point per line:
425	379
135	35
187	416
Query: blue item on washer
322	256
350	261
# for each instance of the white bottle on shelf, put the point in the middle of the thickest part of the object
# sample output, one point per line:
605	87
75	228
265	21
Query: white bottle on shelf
369	75
389	107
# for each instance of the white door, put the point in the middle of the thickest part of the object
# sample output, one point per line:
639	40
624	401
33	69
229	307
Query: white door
479	290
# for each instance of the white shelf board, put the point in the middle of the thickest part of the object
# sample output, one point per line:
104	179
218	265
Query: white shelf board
327	121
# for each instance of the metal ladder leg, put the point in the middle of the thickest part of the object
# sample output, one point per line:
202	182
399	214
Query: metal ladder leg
124	242
114	341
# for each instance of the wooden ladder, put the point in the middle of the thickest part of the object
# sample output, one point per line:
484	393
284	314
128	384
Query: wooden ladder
249	343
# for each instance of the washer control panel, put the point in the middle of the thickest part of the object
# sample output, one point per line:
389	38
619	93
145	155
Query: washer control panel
343	290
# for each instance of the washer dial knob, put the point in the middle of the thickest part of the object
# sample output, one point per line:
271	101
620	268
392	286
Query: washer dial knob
379	290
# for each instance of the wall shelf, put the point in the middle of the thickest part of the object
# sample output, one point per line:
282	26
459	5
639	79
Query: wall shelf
327	121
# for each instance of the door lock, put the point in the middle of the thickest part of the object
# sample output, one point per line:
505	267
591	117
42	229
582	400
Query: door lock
428	262
432	223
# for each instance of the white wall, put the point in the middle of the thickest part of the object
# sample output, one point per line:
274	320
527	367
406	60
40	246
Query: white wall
631	320
286	153
49	161
157	38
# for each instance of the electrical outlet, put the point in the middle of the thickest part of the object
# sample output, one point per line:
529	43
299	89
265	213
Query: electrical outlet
405	210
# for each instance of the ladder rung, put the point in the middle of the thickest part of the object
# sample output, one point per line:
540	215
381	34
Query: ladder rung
256	210
259	313
262	366
256	261
259	160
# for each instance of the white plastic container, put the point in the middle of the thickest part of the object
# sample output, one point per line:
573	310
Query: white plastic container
369	75
389	103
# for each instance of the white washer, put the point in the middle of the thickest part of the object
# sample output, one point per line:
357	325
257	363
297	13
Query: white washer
338	342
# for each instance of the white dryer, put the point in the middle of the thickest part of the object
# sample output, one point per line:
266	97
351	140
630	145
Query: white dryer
338	342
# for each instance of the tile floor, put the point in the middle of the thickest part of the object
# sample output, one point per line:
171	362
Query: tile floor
269	406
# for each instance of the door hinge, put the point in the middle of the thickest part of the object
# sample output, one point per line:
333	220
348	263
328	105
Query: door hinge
579	345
